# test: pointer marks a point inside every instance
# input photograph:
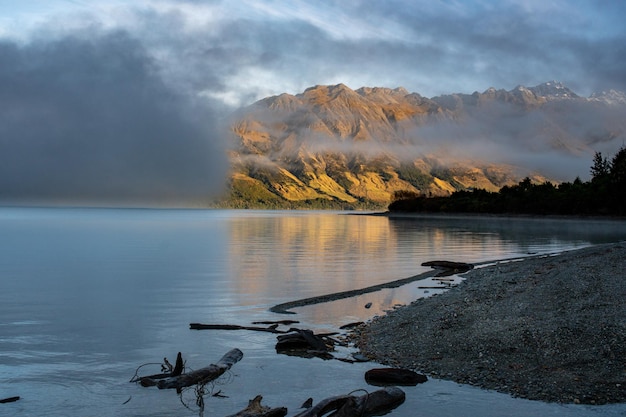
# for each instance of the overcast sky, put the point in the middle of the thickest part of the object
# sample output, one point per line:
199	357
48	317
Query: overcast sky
86	83
243	50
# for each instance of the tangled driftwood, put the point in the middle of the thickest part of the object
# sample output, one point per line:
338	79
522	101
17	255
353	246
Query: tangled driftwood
151	380
200	376
368	404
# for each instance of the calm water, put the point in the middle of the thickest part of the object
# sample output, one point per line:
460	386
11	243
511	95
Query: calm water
88	295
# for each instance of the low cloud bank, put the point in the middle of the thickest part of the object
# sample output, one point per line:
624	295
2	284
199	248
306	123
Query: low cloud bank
89	121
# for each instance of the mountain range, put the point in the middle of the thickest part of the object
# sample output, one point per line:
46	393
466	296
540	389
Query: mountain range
334	147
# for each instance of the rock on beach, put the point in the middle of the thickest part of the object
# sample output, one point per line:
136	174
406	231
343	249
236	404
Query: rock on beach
550	328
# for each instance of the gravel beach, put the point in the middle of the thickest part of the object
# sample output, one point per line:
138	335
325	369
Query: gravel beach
549	328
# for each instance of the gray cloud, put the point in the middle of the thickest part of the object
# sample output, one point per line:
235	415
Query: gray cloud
89	121
431	48
508	43
247	50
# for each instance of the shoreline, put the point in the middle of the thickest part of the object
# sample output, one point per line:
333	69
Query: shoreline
549	328
427	214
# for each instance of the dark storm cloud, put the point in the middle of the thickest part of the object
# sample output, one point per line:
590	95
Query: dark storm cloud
89	121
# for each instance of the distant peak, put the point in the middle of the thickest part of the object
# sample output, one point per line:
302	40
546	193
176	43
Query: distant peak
553	83
339	87
520	89
333	89
553	90
315	87
492	92
610	97
398	91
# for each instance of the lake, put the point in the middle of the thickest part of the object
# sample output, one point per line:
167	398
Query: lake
89	295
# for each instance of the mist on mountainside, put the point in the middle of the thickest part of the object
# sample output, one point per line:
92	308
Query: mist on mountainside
331	141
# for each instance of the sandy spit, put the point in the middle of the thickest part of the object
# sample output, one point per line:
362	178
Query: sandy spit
550	328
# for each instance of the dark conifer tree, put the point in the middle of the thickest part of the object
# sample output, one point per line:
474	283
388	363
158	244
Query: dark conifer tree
601	167
617	185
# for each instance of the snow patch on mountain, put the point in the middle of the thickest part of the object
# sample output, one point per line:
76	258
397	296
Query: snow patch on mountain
610	97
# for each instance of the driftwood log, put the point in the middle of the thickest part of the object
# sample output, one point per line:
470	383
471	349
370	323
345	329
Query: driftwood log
448	267
202	326
375	403
9	400
283	322
202	375
255	409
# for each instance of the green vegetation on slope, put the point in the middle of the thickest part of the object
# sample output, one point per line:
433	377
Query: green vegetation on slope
414	176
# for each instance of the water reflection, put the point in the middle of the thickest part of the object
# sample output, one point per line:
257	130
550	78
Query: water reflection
309	255
91	294
527	234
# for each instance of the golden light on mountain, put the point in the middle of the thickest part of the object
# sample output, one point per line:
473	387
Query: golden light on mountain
334	147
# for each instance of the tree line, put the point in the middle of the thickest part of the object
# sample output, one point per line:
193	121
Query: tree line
603	195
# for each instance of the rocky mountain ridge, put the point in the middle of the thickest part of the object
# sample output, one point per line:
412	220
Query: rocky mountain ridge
334	147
